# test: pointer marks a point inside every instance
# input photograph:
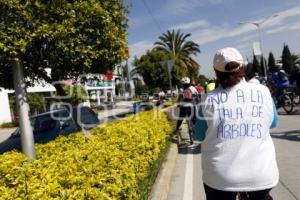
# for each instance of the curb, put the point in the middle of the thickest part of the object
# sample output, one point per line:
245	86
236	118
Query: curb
161	185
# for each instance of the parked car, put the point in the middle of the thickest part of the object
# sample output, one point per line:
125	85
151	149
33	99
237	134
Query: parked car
169	96
85	117
144	97
141	106
46	126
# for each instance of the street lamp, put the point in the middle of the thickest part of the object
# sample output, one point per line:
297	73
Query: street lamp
258	25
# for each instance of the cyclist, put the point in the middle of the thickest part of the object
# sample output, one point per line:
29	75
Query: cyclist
281	81
295	77
187	101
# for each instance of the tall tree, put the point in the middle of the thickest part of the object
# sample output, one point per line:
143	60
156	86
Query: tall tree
271	61
286	57
70	37
263	63
295	59
256	67
181	50
154	73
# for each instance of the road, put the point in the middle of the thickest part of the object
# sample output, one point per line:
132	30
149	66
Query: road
186	181
5	133
105	116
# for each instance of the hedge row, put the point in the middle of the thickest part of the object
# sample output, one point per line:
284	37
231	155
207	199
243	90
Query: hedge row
109	164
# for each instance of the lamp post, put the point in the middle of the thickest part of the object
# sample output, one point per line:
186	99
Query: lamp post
258	25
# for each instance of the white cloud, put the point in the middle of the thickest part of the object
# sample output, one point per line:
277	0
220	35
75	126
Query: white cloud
181	7
273	25
140	48
215	33
190	25
288	27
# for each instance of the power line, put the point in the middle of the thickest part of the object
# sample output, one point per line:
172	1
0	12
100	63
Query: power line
152	16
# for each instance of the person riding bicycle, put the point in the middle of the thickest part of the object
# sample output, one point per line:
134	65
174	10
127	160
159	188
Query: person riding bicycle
295	77
187	101
281	81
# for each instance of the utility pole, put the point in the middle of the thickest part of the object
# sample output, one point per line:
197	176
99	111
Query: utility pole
27	140
258	25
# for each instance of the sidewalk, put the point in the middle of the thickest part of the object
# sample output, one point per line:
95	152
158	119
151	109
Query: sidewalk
122	107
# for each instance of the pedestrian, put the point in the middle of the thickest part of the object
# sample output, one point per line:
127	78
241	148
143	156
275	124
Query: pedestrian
234	121
161	98
210	86
187	102
254	79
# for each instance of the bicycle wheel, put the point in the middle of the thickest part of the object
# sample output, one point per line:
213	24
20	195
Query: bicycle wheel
296	99
179	138
189	122
288	103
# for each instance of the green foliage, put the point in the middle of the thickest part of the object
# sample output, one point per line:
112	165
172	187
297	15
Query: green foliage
263	63
202	79
36	101
154	73
295	59
271	61
287	63
77	94
70	37
256	66
181	50
8	125
140	88
110	164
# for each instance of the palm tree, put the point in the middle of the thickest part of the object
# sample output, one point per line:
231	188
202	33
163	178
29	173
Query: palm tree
295	59
181	49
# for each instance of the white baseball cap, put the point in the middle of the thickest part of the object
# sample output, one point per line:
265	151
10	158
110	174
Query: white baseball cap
225	56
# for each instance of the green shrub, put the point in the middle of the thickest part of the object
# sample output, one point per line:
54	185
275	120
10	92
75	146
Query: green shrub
8	125
110	164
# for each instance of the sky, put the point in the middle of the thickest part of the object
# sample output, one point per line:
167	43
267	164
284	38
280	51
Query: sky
215	24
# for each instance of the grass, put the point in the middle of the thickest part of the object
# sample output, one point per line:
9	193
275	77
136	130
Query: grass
8	125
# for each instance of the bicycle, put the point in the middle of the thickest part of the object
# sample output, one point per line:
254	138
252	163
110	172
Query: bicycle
285	100
296	94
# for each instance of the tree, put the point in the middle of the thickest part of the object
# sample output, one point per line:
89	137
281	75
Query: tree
70	37
202	79
263	63
271	61
154	74
181	50
36	102
77	94
140	87
256	67
286	58
295	59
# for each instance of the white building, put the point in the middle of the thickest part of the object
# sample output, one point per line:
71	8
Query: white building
5	115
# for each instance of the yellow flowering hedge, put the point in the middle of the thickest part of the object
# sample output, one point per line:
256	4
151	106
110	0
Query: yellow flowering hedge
109	164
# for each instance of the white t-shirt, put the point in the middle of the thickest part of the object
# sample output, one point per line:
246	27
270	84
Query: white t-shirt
254	80
238	153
